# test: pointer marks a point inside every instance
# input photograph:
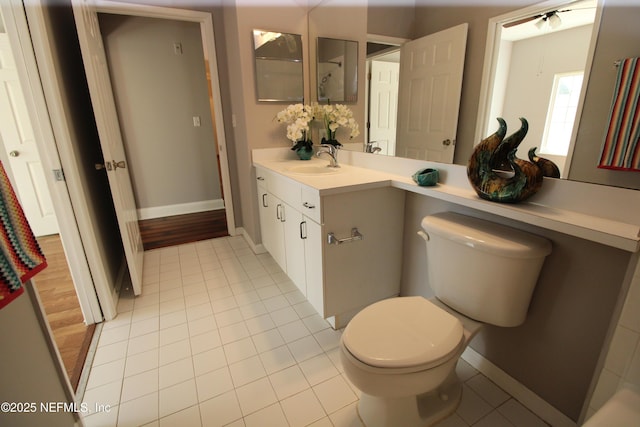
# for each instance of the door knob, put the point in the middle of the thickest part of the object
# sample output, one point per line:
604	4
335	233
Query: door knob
446	142
14	153
120	164
100	166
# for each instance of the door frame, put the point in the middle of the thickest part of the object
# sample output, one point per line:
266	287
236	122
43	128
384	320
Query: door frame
205	20
21	35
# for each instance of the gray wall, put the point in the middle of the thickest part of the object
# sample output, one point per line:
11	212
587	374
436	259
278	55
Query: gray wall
157	94
555	352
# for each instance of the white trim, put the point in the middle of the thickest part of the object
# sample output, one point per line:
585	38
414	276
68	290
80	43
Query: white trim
208	45
529	399
180	209
45	112
379	38
256	248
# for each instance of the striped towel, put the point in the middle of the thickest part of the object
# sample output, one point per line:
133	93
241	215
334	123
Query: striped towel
621	148
20	254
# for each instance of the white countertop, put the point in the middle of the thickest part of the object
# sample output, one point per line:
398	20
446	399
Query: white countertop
608	231
337	180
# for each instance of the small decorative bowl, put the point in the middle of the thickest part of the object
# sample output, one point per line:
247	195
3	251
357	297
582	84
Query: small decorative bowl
426	177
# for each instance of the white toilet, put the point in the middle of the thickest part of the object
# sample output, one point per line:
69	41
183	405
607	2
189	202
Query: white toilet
402	352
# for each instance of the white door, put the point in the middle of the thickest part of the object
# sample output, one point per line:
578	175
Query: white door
18	139
431	71
383	105
95	64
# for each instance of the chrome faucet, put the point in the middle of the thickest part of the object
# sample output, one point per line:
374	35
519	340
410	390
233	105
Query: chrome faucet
370	148
332	151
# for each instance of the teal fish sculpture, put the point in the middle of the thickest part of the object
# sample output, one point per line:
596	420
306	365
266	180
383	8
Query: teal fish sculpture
496	174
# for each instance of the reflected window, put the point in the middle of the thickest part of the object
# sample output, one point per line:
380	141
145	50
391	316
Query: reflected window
562	113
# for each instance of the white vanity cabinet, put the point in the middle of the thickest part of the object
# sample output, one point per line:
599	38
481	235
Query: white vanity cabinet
361	263
283	226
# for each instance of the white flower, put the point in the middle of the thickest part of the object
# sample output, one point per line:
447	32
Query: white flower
336	116
298	118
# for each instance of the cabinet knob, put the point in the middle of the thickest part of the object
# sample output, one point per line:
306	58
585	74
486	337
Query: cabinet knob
308	205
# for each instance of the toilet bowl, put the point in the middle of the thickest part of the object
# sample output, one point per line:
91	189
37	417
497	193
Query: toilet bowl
406	380
402	352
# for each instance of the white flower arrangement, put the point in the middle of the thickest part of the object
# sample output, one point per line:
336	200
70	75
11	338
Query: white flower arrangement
298	118
334	116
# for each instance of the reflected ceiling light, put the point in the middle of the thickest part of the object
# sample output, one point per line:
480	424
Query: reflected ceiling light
549	20
263	37
554	21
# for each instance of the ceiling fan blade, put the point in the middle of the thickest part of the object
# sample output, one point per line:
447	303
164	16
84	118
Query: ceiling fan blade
521	21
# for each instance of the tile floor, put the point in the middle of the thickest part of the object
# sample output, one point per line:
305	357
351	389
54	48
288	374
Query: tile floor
222	337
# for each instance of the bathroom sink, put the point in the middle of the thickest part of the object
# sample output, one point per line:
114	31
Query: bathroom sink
313	170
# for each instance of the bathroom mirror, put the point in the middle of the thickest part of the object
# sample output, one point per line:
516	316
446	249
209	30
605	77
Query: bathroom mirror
278	66
524	77
337	68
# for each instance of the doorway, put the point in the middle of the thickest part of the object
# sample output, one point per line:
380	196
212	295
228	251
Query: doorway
108	124
159	80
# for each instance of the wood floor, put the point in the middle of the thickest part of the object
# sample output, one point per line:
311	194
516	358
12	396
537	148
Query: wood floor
60	302
179	229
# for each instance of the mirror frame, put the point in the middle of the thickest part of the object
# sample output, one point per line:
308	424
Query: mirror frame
494	32
257	78
318	78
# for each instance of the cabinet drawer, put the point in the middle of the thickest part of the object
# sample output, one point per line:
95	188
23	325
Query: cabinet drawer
310	203
285	189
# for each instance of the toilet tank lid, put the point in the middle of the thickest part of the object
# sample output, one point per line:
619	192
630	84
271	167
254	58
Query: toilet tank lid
486	236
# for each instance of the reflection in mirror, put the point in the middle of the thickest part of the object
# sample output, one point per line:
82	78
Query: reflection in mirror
536	71
383	65
337	65
278	60
425	89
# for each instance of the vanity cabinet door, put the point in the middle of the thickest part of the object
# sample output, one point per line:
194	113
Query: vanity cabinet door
313	263
294	232
271	213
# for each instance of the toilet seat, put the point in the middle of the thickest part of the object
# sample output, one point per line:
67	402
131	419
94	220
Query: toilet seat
404	332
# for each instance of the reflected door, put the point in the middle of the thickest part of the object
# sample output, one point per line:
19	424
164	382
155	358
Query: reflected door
431	70
384	105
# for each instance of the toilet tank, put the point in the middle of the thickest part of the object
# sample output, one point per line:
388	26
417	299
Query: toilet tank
481	269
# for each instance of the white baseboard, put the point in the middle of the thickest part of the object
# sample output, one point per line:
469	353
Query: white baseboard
257	248
518	391
180	209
